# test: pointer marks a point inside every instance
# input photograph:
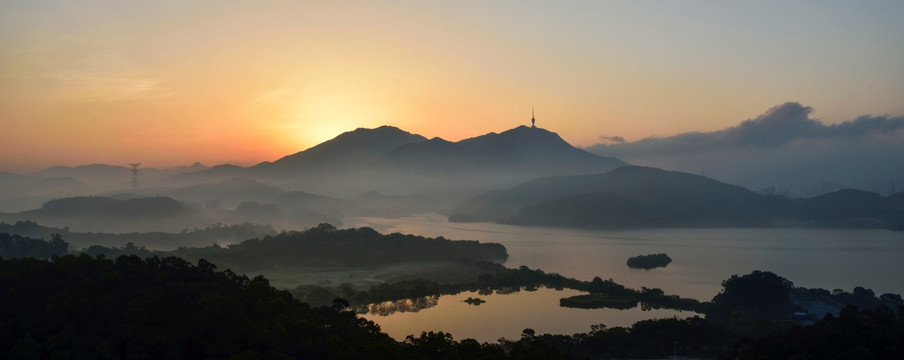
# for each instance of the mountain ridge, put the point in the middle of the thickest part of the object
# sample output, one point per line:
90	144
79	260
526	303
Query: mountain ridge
530	150
637	197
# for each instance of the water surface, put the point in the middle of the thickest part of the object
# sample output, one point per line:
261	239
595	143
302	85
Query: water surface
508	315
702	259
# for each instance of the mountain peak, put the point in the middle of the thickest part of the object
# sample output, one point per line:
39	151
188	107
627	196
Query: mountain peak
359	146
521	150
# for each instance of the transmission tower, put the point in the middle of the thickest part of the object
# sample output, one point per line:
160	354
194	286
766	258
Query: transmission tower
134	170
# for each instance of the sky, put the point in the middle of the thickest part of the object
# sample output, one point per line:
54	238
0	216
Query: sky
168	83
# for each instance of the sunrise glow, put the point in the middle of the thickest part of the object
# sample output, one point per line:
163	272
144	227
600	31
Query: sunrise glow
175	83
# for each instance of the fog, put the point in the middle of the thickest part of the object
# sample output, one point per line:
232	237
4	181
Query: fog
366	172
305	222
783	148
388	172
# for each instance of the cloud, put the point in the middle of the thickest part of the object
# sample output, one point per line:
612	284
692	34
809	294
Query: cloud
778	126
612	139
782	147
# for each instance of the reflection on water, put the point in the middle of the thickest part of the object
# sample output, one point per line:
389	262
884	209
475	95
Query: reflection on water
504	315
387	308
702	258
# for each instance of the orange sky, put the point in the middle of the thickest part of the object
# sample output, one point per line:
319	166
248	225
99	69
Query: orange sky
168	83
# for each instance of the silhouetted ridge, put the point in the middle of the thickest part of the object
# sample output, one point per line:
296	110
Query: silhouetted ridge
836	207
634	196
629	196
521	150
357	147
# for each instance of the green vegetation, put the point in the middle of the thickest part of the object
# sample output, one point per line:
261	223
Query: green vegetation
820	302
754	304
213	234
15	246
83	307
474	301
608	294
854	334
326	246
499	279
643	197
649	261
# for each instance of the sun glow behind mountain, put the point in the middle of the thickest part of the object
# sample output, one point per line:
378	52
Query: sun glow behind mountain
173	83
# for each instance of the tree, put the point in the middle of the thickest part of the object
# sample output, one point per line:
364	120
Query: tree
746	301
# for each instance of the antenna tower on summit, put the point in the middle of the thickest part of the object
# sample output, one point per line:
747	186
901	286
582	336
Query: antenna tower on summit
134	170
532	120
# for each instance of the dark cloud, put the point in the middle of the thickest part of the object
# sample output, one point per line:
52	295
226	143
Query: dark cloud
867	125
777	127
781	147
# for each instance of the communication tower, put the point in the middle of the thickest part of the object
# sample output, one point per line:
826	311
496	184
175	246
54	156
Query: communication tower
532	120
134	170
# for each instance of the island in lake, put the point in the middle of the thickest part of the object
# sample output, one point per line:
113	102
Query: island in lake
647	262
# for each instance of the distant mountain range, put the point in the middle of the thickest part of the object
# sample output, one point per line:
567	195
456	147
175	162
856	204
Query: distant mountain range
392	160
389	172
635	197
524	150
20	192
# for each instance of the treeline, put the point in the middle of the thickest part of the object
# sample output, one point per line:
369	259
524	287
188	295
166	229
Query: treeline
86	307
860	297
853	334
16	246
212	234
499	279
643	197
326	246
649	261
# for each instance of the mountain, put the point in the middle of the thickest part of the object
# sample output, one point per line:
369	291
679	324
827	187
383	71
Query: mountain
630	196
852	208
98	213
635	197
522	150
20	192
350	149
393	161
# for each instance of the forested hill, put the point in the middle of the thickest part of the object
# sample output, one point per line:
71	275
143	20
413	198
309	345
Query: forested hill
83	307
325	246
79	307
637	197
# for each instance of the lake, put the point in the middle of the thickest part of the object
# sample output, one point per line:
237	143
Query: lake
702	259
508	315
